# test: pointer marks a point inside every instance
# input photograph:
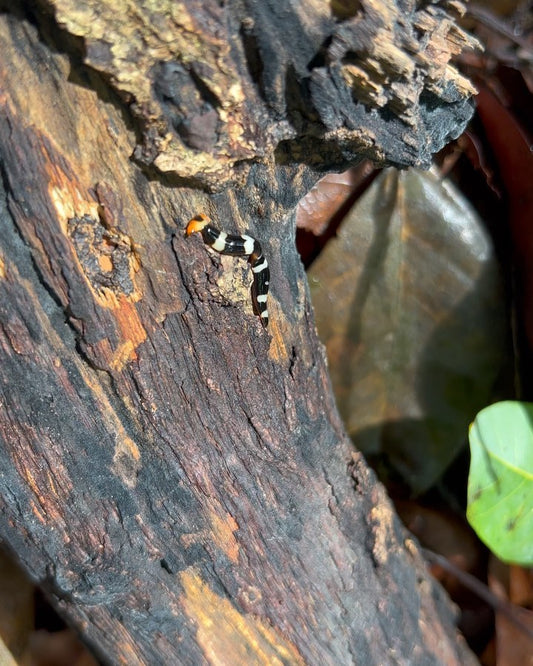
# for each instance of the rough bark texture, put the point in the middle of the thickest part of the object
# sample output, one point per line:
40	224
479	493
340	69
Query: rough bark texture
175	477
213	86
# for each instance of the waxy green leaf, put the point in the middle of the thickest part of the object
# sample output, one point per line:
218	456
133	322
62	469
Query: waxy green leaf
500	485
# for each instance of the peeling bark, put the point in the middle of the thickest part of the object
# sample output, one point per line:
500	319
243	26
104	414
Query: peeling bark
214	87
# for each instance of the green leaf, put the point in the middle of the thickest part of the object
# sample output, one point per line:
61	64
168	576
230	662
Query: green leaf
500	485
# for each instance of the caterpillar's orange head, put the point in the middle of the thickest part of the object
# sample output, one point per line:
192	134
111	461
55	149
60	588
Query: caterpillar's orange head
197	224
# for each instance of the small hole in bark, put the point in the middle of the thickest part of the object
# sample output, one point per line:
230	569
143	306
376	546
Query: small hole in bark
165	565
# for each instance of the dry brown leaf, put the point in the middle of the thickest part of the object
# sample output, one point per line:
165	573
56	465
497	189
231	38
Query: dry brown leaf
316	210
408	303
16	612
513	646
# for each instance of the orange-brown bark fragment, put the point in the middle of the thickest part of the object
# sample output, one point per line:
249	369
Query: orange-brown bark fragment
227	636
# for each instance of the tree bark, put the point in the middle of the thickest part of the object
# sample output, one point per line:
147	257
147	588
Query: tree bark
175	477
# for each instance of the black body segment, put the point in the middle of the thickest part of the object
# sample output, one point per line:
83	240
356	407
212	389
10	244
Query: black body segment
238	246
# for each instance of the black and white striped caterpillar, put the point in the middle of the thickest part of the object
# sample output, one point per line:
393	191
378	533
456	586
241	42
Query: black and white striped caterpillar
238	246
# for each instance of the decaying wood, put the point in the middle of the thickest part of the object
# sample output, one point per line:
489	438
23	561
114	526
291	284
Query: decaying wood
216	86
175	477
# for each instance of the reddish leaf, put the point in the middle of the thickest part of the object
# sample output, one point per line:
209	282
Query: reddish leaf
513	644
515	159
316	210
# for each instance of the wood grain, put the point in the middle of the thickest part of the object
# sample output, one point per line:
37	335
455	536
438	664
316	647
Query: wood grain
174	477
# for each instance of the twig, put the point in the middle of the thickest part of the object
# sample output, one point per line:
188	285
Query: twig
511	611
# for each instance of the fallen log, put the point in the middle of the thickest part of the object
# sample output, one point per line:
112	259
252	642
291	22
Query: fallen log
173	475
